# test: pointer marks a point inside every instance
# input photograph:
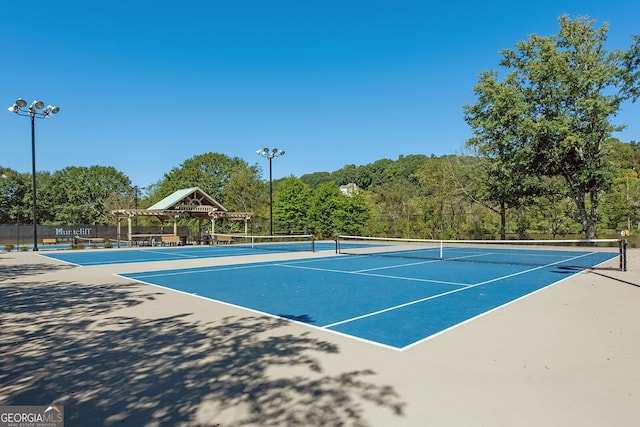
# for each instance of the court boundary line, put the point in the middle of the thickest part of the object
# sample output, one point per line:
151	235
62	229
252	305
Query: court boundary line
59	260
359	273
195	270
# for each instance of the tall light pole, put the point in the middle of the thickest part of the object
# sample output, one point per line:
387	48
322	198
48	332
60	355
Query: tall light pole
270	154
35	110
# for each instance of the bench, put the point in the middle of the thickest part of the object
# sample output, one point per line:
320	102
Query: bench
170	240
224	240
49	241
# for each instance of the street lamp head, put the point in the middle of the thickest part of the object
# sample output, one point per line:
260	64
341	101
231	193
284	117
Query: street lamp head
270	153
35	110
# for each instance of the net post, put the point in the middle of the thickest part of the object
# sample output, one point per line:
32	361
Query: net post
313	243
441	249
337	244
623	254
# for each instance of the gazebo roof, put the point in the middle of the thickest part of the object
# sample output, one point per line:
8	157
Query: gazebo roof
185	199
192	200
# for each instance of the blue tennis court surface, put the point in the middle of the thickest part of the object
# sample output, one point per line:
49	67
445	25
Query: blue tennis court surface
92	257
392	302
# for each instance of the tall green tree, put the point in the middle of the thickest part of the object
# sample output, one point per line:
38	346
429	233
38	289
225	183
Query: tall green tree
568	87
500	125
316	179
291	203
444	202
621	204
333	212
15	197
80	194
353	213
395	209
211	172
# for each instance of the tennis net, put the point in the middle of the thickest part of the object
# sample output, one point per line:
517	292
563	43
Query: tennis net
87	240
279	243
576	254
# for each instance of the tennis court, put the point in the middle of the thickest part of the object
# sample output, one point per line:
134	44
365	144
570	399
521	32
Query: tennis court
391	301
93	257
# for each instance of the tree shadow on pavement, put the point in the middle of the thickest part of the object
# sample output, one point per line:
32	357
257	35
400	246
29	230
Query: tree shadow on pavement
65	343
9	272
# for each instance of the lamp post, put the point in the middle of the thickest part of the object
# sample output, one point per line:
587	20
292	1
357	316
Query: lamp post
270	154
35	110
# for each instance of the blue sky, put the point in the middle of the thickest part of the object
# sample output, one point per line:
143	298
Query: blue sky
144	85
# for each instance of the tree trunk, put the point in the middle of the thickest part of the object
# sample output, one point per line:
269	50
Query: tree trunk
590	232
588	217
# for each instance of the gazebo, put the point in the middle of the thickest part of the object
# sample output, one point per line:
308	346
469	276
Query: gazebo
185	203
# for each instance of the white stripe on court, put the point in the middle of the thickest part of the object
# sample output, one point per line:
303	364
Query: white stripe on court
195	271
421	262
384	276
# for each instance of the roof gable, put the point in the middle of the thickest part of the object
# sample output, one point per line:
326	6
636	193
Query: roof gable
186	198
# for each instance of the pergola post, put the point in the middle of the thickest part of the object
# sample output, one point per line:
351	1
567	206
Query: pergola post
118	232
130	229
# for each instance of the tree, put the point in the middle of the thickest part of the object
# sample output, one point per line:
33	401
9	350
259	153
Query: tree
395	209
444	202
352	213
316	179
291	203
15	196
211	172
332	212
80	194
621	204
500	122
566	88
243	192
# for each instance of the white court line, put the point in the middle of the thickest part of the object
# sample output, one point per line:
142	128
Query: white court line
421	262
197	270
384	276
